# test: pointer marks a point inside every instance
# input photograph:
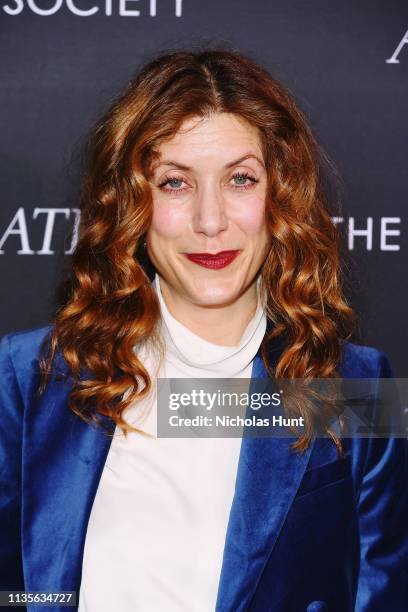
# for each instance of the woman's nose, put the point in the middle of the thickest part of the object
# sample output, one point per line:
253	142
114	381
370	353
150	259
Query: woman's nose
210	216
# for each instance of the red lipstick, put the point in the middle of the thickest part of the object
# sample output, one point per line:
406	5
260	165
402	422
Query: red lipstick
214	261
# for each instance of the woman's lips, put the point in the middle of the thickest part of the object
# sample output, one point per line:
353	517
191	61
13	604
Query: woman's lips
214	261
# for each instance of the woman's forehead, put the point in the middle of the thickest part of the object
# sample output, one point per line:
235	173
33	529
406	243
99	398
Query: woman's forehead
221	136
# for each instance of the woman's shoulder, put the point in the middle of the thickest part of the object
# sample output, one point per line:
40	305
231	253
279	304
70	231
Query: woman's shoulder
362	361
20	350
27	341
357	361
33	335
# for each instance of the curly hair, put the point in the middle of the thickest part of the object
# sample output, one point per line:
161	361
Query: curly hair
109	303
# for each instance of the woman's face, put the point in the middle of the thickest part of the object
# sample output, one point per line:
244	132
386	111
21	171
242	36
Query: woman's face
209	188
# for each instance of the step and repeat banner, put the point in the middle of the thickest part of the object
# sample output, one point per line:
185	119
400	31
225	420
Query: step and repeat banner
345	62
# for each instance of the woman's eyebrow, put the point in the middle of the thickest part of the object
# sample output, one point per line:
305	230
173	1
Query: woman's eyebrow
235	162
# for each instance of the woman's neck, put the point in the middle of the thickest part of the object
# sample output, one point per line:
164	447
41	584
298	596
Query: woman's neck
223	325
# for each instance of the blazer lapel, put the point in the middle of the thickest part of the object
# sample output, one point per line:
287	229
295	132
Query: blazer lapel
62	464
268	476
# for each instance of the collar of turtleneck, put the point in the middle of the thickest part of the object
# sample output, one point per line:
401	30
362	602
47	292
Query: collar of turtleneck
193	356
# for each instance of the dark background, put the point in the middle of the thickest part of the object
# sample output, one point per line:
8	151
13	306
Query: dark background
59	71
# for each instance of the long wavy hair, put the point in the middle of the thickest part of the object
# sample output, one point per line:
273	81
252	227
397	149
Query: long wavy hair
109	304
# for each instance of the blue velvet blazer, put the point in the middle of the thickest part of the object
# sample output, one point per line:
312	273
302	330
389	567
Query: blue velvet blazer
306	532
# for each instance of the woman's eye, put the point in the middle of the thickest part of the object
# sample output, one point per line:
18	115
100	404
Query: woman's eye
173	183
242	180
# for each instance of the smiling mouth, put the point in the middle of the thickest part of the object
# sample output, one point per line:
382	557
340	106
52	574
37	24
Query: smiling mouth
214	261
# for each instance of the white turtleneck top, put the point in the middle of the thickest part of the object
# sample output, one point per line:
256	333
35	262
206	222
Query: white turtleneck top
156	532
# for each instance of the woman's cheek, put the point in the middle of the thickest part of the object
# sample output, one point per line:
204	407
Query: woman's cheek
169	217
249	214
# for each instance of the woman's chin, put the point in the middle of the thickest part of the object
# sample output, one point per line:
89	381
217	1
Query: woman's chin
214	294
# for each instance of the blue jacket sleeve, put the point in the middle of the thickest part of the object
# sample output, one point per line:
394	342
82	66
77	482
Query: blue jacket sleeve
11	424
383	521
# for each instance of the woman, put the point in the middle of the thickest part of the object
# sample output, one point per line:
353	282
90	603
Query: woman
205	250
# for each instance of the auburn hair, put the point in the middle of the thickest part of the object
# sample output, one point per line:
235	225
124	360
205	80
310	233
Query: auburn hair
108	304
